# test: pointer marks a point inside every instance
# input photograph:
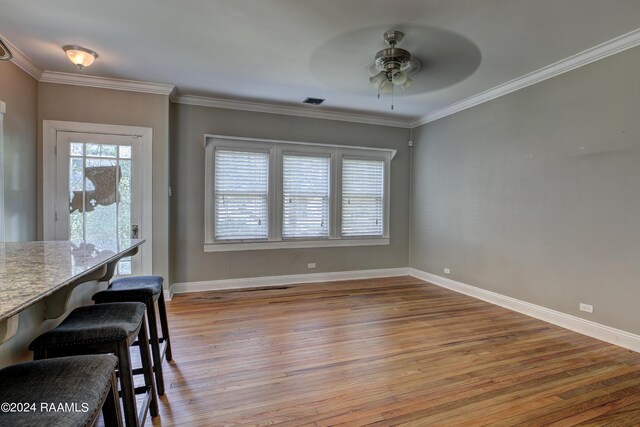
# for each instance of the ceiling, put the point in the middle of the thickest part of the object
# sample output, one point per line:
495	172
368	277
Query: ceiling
281	51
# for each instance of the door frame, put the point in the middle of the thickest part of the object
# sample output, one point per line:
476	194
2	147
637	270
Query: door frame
50	129
3	110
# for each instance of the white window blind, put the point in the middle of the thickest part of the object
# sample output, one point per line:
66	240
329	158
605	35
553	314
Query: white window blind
241	195
305	196
362	197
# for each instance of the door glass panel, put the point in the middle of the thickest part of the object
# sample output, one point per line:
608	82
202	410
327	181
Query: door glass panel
76	149
93	149
125	151
109	150
100	194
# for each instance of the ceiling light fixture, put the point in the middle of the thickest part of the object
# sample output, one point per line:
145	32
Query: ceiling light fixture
394	65
80	56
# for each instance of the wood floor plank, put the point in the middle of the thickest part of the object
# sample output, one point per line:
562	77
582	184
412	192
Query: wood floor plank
383	352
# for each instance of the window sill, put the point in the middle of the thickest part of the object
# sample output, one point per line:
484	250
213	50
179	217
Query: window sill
293	244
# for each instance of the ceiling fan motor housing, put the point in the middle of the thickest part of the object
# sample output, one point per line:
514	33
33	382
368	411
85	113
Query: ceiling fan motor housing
393	58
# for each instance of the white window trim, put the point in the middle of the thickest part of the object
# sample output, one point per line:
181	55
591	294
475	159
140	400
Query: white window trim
276	148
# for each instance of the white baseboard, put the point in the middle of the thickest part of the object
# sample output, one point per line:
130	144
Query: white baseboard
567	321
294	279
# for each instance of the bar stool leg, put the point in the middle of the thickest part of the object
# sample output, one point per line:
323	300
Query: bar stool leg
111	407
147	369
126	384
155	343
165	326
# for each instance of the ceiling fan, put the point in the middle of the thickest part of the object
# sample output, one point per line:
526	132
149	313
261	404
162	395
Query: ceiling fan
393	66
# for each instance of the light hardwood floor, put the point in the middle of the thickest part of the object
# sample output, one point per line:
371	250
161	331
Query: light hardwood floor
384	352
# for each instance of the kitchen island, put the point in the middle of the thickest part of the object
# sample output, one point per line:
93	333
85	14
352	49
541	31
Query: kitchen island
44	274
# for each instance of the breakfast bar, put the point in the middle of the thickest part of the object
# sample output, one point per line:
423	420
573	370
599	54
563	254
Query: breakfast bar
48	271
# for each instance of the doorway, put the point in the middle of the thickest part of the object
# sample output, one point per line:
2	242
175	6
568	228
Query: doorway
98	187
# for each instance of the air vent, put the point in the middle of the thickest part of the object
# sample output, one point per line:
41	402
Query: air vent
313	101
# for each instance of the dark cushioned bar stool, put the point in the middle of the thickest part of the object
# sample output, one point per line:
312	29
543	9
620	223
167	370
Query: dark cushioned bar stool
148	290
106	328
68	391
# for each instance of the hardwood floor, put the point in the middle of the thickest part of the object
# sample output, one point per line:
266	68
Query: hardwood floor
385	352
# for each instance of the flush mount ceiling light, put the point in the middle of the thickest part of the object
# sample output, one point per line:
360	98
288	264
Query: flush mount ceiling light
80	56
394	65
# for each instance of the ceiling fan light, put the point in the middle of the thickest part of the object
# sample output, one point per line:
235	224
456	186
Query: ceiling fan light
399	78
408	82
378	80
387	87
80	56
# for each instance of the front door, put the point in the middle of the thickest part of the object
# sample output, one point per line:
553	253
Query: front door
98	190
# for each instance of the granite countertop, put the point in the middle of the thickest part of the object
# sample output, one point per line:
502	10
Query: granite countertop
30	271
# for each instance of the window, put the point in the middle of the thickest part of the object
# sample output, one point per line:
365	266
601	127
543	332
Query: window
263	194
241	195
305	196
362	197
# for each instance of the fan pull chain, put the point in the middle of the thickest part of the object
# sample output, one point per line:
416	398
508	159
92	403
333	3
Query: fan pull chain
391	98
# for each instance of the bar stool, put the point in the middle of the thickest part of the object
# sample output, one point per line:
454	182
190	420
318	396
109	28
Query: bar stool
68	391
148	290
106	328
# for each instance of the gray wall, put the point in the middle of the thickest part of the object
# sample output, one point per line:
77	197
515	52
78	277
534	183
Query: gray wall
20	92
536	195
47	101
106	106
191	263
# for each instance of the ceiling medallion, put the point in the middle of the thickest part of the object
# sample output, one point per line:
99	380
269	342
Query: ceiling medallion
394	65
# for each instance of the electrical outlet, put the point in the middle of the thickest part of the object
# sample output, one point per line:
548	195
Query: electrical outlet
586	307
311	265
447	271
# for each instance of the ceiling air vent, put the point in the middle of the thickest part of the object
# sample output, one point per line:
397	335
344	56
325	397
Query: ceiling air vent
313	101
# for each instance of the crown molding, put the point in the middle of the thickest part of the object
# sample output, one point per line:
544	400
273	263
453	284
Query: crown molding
22	60
601	51
228	104
106	83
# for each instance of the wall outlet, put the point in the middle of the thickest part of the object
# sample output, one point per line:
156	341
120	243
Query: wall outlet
586	307
311	265
447	271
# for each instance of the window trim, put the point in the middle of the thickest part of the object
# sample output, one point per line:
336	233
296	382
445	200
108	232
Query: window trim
276	149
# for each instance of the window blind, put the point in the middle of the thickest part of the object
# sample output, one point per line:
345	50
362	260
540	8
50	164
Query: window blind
362	197
241	195
305	196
